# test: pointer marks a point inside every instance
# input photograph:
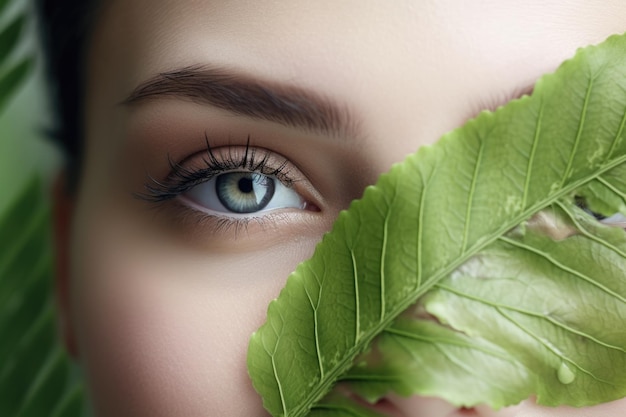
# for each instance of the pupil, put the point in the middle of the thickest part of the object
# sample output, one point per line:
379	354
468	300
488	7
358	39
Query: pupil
244	192
245	185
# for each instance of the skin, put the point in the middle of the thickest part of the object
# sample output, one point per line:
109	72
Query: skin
158	304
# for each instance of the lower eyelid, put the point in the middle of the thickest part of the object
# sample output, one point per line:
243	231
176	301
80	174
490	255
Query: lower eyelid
219	233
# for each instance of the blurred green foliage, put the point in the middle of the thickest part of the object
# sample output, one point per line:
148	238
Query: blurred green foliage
24	151
36	377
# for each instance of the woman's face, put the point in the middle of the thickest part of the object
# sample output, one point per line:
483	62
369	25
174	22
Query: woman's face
326	95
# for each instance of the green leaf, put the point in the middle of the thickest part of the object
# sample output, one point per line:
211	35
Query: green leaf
603	196
10	36
47	387
3	4
468	271
72	404
36	378
12	78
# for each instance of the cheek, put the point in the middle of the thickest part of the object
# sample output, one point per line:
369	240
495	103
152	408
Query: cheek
165	333
160	350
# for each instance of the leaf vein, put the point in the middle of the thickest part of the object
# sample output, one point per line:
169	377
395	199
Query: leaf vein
441	340
532	314
564	267
586	232
548	346
472	192
581	124
612	187
531	158
342	365
357	307
618	136
315	308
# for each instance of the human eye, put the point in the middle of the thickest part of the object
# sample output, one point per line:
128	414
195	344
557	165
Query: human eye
234	185
240	193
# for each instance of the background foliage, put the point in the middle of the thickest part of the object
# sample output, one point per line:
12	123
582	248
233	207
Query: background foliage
36	377
23	150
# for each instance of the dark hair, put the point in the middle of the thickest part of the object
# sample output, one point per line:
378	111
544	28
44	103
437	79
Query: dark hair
65	30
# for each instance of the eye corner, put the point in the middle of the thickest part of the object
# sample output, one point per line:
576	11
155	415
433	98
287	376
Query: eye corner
312	207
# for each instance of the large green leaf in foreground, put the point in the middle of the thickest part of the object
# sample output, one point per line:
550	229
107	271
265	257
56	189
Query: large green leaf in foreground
471	266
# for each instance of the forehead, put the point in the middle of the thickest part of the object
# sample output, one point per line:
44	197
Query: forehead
287	38
383	57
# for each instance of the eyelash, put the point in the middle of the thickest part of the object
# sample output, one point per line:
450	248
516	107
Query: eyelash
182	179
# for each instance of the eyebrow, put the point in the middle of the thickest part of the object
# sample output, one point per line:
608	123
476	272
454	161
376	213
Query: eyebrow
248	96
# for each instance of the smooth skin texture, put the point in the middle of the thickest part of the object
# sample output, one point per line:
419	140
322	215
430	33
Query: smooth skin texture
158	300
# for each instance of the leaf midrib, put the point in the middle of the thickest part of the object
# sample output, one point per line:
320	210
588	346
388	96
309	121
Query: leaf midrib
343	365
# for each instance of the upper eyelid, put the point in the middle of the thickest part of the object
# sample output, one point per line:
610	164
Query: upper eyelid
181	179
